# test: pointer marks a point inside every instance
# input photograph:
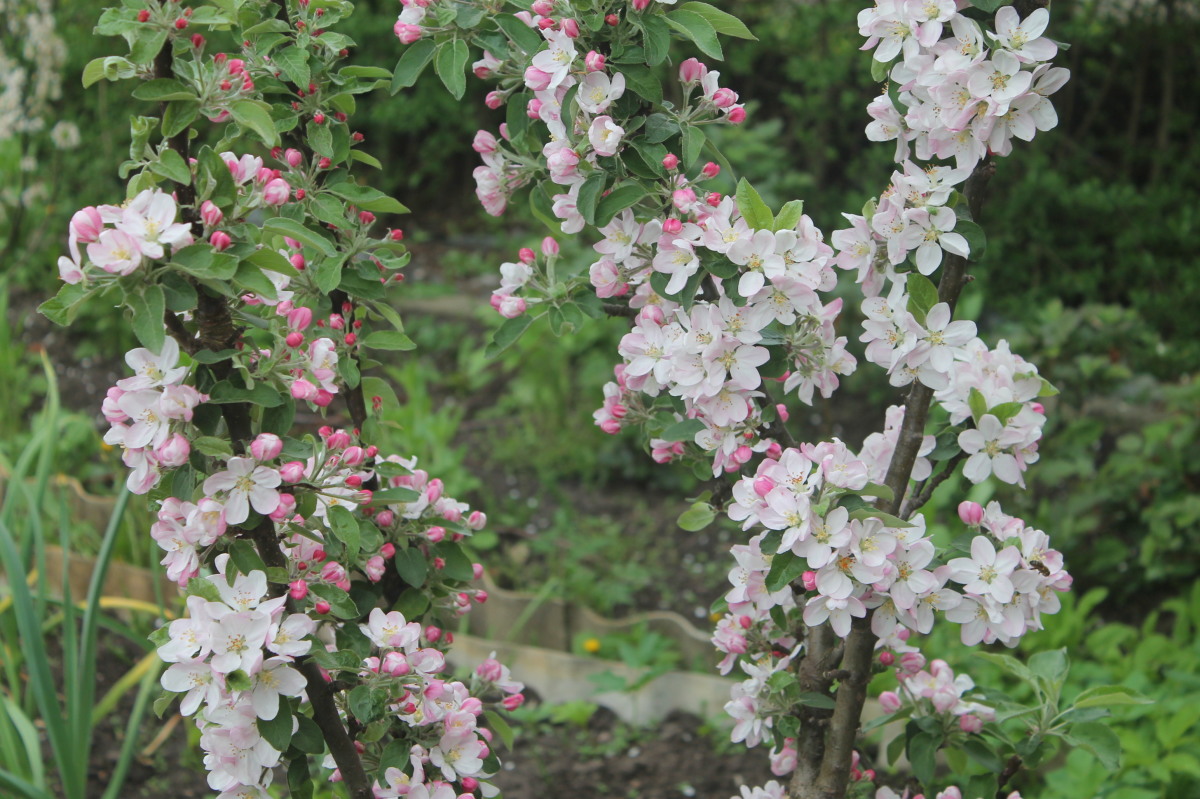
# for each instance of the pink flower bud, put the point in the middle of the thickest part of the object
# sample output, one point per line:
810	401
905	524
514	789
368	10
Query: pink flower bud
323	399
683	199
543	8
736	115
354	481
545	24
220	240
1038	408
549	246
533	109
890	701
298	589
353	456
724	98
435	534
742	455
395	664
477	570
593	61
653	314
672	225
366	217
782	410
297	261
713	198
809	578
333	572
292	471
470	784
481	596
912	662
374	568
869	775
321	607
886	658
490	670
692	71
266	446
439	564
774	451
711	170
210	214
173	452
432	634
571	28
385	518
610	426
612	20
337	440
763	486
970	723
526	255
484	142
276	192
513	701
299	318
284	510
304	390
670	161
971	513
494	100
537	80
477	520
295	340
388	550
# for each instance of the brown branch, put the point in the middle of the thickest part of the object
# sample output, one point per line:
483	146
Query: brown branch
833	775
926	489
1010	770
187	341
617	309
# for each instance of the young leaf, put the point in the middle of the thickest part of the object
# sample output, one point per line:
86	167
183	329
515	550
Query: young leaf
789	216
450	63
721	21
616	201
756	213
922	295
255	115
976	238
412	64
282	226
785	567
657	39
507	334
683	431
368	199
697	517
148	307
160	90
589	195
698	29
388	340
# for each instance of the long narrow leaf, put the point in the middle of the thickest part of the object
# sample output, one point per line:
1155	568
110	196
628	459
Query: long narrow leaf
23	743
129	747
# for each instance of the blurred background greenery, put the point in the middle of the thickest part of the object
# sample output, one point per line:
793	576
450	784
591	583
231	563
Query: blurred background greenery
1091	272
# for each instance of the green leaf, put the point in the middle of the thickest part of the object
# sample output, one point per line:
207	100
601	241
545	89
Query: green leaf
721	21
397	494
320	138
521	34
922	295
697	517
498	725
366	158
367	198
450	64
255	115
659	128
307	737
785	567
163	89
251	277
277	731
327	274
179	114
293	62
921	750
339	601
205	589
507	334
458	565
988	5
698	29
224	393
366	703
148	308
111	67
978	750
282	226
862	514
171	165
1098	739
976	238
977	404
62	307
388	340
1051	665
589	194
814	699
756	213
1110	696
616	201
878	491
657	38
271	260
1006	410
345	529
685	430
210	445
238	680
412	64
642	81
245	557
789	216
412	566
1009	664
693	141
879	71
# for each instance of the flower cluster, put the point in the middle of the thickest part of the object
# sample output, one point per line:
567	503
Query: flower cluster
119	239
232	659
964	93
147	413
938	691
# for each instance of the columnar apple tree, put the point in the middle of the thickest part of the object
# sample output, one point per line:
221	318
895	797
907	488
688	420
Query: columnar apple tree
254	270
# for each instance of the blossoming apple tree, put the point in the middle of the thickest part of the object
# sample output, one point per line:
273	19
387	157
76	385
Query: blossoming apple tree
320	572
730	312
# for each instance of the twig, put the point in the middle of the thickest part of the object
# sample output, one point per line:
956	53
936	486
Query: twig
926	489
1010	770
617	309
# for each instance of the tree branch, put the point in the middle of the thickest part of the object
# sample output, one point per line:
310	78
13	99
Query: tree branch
926	489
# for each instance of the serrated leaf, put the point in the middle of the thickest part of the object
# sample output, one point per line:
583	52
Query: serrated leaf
198	586
1110	696
862	514
282	226
224	393
878	491
756	213
1098	739
245	557
922	295
814	699
250	277
163	89
656	38
521	34
345	529
171	165
365	703
111	68
1006	410
978	405
685	430
293	62
697	517
148	307
616	201
975	236
412	566
412	64
507	334
387	496
589	194
450	64
699	30
785	567
721	21
498	725
178	115
340	603
367	198
388	340
255	115
213	446
320	138
693	141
